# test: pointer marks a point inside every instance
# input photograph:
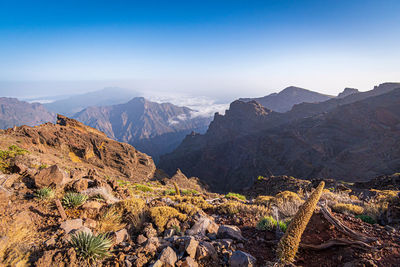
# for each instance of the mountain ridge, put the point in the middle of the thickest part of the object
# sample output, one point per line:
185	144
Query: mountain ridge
284	100
320	145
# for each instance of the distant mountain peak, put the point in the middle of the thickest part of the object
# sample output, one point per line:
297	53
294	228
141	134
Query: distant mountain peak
288	97
348	91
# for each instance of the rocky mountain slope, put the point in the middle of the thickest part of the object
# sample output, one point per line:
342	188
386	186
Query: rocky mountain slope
287	98
352	138
80	148
105	97
16	113
151	127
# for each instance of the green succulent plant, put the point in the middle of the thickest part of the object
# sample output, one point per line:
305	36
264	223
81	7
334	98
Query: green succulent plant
73	200
91	247
44	193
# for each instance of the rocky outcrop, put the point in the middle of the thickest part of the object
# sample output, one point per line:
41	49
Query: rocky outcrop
75	146
287	98
51	177
344	140
347	91
151	127
16	113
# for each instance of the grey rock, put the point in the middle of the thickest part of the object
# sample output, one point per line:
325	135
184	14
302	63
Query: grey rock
70	225
230	232
168	257
242	259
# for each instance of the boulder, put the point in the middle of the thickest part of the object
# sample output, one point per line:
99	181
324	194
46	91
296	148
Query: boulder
206	250
199	227
168	257
141	239
191	245
189	262
83	229
80	185
242	259
52	176
92	205
230	232
8	180
70	225
121	236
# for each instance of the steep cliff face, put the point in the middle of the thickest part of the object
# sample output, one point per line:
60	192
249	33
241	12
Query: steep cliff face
151	127
16	113
287	98
352	142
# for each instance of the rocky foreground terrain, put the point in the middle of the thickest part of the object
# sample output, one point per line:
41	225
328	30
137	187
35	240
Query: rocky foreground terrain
70	196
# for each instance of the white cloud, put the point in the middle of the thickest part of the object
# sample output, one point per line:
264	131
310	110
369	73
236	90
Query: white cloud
202	106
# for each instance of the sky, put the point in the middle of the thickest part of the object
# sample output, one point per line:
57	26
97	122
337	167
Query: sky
218	49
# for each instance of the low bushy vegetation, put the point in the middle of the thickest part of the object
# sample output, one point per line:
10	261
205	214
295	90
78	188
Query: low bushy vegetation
366	218
235	196
267	223
91	247
73	200
143	188
270	224
161	215
6	155
348	208
233	207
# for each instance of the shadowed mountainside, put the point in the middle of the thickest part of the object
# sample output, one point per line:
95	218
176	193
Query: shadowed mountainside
353	138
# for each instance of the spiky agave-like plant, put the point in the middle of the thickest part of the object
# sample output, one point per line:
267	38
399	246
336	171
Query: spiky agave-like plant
44	193
73	200
91	247
289	243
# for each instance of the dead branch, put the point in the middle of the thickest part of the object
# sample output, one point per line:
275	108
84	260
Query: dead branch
344	229
337	242
61	210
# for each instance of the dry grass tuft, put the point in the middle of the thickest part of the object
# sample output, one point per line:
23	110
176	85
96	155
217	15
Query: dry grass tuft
234	207
15	243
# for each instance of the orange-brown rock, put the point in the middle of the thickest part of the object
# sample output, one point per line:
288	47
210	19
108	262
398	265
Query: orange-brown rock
73	146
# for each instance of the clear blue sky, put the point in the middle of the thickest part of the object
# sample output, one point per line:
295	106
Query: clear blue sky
240	48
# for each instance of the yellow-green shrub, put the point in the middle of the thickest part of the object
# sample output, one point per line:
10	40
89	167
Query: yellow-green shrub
287	196
289	243
161	215
234	207
264	200
348	208
187	208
